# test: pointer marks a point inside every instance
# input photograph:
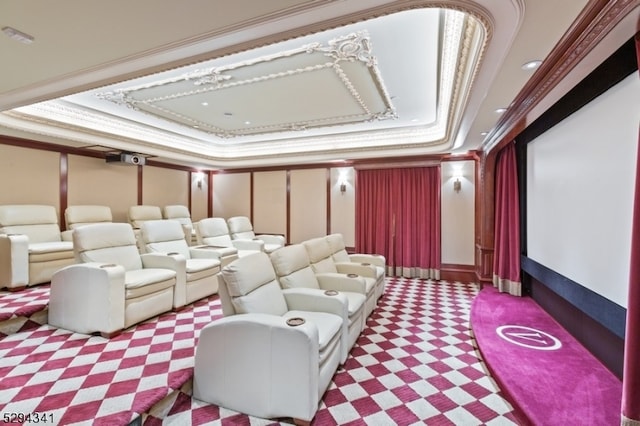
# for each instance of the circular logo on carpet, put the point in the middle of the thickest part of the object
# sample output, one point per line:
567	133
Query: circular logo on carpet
529	337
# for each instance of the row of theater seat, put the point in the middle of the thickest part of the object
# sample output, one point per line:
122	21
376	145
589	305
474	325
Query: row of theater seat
290	319
32	247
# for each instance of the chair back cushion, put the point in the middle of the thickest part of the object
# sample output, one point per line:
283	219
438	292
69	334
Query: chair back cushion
38	222
164	236
320	255
214	231
240	228
138	214
83	215
252	285
292	267
337	247
179	213
107	243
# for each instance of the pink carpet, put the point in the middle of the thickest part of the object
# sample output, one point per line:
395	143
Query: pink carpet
547	374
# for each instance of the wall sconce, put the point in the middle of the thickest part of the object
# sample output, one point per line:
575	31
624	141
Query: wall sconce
457	185
199	179
343	187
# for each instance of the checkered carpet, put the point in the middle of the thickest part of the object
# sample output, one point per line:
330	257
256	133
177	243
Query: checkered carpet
23	310
78	379
415	363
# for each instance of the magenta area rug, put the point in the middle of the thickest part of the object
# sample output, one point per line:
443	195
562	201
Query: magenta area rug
547	374
23	303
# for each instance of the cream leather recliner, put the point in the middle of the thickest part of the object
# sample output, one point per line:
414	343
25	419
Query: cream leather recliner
112	287
293	270
182	215
275	351
202	266
136	215
322	261
214	232
241	228
31	246
340	255
84	215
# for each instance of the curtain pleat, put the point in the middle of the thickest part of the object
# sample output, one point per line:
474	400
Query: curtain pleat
631	371
506	255
398	216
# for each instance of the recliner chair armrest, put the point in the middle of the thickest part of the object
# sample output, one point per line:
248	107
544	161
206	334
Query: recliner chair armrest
204	253
88	298
176	262
282	383
272	239
14	260
341	282
67	235
308	299
368	271
373	259
243	244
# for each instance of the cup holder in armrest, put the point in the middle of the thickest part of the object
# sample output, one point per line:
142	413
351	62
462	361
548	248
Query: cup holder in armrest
108	265
295	321
331	292
352	275
173	253
366	264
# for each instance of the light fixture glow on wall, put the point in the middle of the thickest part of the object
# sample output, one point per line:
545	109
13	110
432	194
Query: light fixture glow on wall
343	187
457	185
199	179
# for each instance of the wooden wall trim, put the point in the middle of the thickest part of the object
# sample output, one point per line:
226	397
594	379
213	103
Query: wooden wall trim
595	21
328	210
209	194
288	206
140	185
454	272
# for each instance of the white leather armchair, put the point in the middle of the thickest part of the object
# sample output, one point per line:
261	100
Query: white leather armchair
182	215
241	229
112	287
322	261
31	246
275	351
340	255
84	215
202	267
214	232
137	215
293	270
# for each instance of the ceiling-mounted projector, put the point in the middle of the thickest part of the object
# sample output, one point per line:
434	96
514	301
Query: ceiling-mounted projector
126	158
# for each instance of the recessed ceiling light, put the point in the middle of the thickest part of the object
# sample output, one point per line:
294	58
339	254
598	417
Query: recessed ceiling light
531	65
16	35
484	133
500	110
247	122
228	114
205	103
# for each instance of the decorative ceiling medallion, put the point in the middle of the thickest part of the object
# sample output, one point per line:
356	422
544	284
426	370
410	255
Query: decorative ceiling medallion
312	86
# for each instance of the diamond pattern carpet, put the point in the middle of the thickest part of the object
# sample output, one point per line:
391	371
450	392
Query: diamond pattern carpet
415	363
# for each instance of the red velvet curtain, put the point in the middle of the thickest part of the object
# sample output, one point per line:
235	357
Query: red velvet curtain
631	372
506	255
398	216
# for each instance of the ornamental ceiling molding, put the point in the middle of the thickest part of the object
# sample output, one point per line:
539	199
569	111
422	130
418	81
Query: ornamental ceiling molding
156	98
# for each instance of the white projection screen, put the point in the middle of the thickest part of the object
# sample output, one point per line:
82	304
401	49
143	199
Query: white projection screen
580	188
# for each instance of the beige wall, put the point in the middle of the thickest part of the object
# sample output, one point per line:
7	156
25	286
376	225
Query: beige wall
231	195
162	187
32	176
308	204
343	204
29	176
458	213
199	196
93	181
270	202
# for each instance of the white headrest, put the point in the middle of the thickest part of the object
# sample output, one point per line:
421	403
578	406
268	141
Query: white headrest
103	235
336	242
155	231
248	273
317	249
79	215
213	227
176	211
239	224
27	214
138	214
289	259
